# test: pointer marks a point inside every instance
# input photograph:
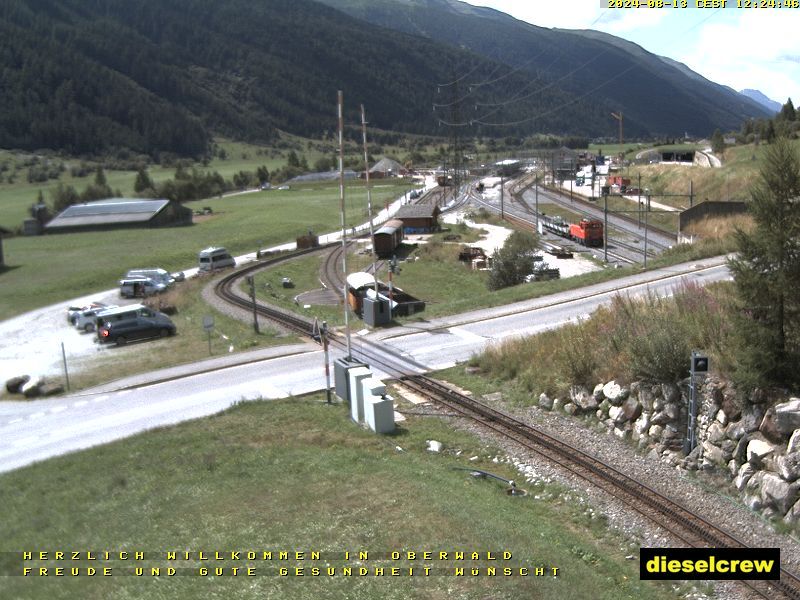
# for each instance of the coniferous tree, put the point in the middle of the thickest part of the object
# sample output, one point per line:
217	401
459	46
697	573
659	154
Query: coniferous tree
766	271
143	182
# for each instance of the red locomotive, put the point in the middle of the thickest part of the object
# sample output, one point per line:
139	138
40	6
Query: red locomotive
589	232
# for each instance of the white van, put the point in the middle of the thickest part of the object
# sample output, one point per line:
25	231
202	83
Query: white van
215	258
159	275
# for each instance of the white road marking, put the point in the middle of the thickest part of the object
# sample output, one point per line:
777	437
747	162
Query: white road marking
15	421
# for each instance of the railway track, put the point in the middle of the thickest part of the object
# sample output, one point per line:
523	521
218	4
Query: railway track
688	527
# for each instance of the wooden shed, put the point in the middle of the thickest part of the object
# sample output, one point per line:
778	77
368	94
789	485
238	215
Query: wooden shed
419	218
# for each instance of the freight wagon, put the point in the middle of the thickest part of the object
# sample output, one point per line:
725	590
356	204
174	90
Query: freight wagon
388	238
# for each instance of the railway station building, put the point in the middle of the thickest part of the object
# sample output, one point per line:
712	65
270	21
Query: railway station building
419	218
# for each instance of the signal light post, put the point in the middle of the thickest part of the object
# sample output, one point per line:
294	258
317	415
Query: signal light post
699	366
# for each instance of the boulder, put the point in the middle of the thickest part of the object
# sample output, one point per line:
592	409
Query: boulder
787	416
673	411
598	392
721	418
728	447
671	392
715	433
794	442
789	466
51	389
740	452
646	397
758	450
32	388
733	467
749	423
582	399
730	407
617	414
660	418
545	401
753	502
712	454
570	408
642	424
14	385
558	404
631	408
778	493
793	516
612	391
655	431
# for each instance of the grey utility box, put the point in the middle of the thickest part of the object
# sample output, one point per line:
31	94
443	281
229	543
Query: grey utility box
357	375
340	378
376	311
378	407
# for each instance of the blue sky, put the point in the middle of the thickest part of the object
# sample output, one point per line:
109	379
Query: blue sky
755	48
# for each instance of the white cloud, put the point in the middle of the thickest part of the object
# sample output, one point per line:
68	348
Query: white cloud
757	49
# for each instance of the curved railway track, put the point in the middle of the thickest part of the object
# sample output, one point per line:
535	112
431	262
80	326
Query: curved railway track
688	527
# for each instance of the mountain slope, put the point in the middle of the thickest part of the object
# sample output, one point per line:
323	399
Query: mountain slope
768	103
92	75
656	96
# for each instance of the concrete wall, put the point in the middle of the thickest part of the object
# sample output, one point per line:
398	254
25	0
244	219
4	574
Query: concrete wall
710	209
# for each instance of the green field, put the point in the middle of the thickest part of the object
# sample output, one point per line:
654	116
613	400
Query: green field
46	269
298	476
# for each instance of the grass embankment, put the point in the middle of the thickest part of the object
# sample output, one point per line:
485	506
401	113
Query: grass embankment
629	339
297	475
732	181
49	268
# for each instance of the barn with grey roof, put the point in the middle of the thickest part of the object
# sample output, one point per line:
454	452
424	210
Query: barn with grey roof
114	213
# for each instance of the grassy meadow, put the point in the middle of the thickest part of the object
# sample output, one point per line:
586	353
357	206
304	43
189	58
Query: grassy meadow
298	475
46	269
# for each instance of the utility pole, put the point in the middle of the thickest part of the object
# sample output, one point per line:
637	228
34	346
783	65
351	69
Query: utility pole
369	198
618	117
605	227
537	203
323	334
344	230
502	196
252	281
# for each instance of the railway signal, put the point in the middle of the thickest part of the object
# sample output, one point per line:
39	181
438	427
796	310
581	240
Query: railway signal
698	366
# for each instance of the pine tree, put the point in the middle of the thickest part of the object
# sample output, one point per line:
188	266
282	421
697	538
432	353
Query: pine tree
143	182
717	142
788	112
766	272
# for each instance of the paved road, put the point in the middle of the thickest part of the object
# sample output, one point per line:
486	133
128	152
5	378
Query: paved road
32	431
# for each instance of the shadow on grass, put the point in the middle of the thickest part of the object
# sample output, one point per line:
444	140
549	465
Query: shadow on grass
5	268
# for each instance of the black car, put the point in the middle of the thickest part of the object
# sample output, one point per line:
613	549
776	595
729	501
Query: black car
145	323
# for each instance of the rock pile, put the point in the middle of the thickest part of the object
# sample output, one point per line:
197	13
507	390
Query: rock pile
756	447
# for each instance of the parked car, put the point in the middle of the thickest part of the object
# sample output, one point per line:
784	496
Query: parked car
74	311
86	319
156	274
139	287
126	323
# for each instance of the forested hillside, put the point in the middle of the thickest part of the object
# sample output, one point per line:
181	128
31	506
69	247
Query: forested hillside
657	97
89	76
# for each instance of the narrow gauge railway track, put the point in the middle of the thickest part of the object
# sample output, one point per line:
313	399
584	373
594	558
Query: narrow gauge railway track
530	225
690	528
583	207
651	249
